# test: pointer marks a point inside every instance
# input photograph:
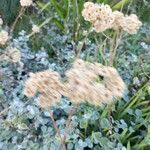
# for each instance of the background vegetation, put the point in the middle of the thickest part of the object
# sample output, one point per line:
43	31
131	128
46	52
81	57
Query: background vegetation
122	125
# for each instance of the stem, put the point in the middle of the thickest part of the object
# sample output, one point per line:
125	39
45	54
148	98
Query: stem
101	47
112	42
44	7
41	25
114	45
68	123
83	42
67	127
21	12
58	131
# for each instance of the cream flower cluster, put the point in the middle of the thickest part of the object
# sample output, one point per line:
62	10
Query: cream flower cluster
35	29
130	24
13	54
94	83
26	2
102	17
99	15
3	37
48	84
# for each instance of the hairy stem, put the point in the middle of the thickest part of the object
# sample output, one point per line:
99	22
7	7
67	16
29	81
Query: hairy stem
83	42
67	127
41	25
21	12
68	123
58	131
115	41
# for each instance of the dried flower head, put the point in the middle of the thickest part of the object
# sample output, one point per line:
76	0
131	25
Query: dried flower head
102	18
3	37
131	24
94	83
48	84
26	2
99	15
13	54
89	12
119	19
126	23
35	29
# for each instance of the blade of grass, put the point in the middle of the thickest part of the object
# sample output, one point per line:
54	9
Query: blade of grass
120	4
128	146
60	11
133	100
43	6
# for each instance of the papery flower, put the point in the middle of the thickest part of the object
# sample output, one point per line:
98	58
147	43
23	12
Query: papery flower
89	12
99	15
14	55
49	98
48	84
126	23
102	18
26	2
86	82
35	29
131	24
94	83
119	19
3	37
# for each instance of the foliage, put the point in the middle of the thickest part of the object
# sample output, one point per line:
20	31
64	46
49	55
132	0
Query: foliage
143	9
123	125
120	126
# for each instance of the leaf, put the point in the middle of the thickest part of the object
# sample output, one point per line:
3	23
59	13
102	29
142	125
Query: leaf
97	137
103	141
128	146
123	134
67	7
58	23
83	124
138	113
60	11
69	146
120	4
105	123
22	126
97	147
89	142
43	6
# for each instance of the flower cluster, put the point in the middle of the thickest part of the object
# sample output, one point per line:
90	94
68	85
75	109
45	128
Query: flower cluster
130	24
94	83
3	37
12	54
48	84
26	2
102	17
99	15
35	29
